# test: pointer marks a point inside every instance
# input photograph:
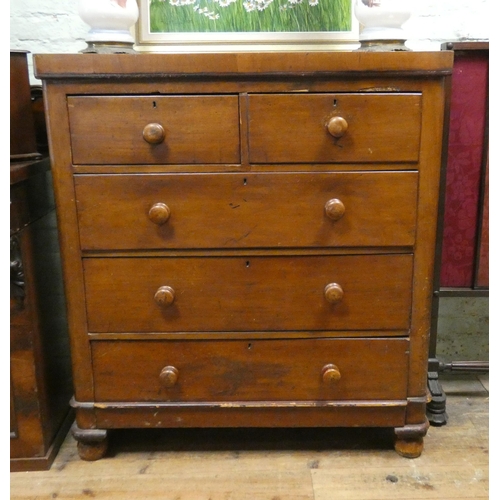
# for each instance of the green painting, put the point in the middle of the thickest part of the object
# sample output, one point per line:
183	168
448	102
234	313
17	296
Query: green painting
249	16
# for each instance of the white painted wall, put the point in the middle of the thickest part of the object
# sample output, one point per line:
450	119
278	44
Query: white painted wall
42	26
435	21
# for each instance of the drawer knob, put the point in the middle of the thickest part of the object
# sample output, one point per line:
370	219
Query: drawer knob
164	296
334	209
334	293
330	374
337	126
159	213
153	133
169	376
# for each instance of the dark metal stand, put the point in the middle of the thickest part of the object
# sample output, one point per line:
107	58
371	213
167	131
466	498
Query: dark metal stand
436	407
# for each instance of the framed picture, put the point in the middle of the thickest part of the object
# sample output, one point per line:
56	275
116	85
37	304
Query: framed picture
227	25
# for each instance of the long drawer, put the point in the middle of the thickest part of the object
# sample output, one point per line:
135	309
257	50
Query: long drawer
334	128
256	293
260	370
156	211
154	129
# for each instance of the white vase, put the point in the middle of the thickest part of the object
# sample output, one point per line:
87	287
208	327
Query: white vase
382	20
110	22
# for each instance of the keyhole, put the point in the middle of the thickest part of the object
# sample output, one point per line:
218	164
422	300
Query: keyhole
335	103
245	181
248	263
154	104
249	346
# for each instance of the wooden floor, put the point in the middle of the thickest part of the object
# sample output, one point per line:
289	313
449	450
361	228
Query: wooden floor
280	464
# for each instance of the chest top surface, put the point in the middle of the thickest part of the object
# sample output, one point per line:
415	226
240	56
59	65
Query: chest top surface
48	66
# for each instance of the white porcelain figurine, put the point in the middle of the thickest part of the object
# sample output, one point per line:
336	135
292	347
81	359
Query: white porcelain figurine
110	22
382	22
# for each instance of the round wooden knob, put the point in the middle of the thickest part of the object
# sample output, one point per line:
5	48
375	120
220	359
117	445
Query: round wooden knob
337	126
153	133
334	209
164	296
334	293
330	374
169	376
159	213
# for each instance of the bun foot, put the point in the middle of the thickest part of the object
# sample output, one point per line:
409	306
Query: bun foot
409	448
92	444
410	439
92	451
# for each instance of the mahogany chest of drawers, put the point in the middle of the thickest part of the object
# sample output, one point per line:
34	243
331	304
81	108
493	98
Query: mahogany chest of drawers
248	238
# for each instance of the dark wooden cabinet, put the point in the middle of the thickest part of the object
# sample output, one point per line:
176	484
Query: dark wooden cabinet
40	370
39	349
23	139
248	238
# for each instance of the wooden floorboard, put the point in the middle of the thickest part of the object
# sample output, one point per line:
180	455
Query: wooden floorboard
260	464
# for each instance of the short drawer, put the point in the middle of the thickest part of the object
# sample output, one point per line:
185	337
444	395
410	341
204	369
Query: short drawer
260	370
172	211
369	127
254	293
154	129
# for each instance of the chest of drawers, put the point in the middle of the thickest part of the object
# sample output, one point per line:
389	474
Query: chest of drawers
247	238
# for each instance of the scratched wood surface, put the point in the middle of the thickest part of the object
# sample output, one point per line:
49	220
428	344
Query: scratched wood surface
288	464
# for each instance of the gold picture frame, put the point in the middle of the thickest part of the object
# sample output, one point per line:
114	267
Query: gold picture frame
192	41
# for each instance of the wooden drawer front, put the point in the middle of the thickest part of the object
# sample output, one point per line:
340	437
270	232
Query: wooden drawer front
232	370
198	129
292	128
247	293
246	210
